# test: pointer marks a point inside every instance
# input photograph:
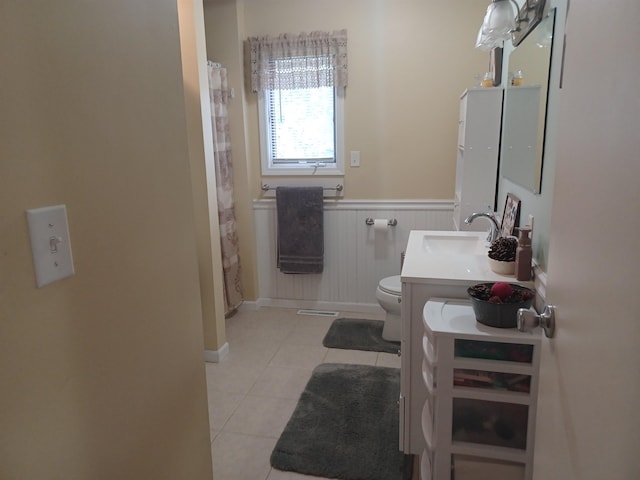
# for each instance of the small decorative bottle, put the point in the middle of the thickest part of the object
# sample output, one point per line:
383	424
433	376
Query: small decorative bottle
487	80
518	78
524	255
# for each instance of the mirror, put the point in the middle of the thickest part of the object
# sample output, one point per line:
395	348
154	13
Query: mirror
525	107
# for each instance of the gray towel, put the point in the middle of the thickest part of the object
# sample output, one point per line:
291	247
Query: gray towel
300	229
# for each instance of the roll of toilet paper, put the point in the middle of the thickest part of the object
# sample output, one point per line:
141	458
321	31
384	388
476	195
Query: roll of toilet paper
380	224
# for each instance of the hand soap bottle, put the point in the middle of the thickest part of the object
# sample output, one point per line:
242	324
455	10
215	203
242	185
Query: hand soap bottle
524	255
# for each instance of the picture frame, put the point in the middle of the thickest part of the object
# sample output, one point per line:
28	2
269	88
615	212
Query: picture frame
510	216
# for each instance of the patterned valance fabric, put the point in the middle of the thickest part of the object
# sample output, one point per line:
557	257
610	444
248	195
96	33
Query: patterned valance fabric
307	60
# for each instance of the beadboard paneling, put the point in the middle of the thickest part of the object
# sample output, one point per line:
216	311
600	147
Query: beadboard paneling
356	256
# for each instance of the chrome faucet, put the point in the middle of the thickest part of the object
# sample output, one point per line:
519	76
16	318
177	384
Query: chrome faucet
494	233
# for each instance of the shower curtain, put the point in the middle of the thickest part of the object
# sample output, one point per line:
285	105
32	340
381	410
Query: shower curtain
219	94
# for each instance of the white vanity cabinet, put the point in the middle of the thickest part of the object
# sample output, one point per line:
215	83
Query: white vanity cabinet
478	153
478	419
433	270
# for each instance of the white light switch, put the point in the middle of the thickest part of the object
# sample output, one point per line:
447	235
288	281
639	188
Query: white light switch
355	158
50	244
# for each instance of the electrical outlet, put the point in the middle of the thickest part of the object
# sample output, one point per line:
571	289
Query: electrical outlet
355	158
530	221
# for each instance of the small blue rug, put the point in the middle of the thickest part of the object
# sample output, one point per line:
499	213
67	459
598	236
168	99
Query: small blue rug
359	334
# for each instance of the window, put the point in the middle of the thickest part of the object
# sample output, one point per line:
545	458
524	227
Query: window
301	131
300	81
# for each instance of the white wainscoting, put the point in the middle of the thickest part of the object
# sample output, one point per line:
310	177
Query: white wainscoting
355	256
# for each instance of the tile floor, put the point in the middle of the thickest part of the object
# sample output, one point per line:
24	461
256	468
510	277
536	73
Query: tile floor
253	392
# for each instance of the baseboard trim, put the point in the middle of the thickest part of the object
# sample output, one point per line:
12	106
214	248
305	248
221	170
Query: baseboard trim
248	305
372	308
216	356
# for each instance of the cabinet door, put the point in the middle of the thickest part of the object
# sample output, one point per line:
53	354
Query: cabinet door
483	115
462	121
477	155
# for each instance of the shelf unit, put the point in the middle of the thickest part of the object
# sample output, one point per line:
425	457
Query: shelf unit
478	153
478	420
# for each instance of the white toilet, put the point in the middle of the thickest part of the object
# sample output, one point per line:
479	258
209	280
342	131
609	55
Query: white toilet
389	295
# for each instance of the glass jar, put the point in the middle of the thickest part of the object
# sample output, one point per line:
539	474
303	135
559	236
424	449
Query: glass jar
518	78
487	81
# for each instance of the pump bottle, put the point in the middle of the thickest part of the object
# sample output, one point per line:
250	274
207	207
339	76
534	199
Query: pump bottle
524	255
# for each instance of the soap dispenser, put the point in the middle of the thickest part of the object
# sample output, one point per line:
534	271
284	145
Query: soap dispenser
524	254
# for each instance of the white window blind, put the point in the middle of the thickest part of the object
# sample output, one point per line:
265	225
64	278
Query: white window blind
301	125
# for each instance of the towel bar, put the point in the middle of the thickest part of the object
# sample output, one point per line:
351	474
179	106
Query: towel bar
338	188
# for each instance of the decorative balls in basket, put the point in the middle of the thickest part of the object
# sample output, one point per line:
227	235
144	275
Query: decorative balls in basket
497	304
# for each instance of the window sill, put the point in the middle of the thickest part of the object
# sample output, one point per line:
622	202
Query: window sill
304	171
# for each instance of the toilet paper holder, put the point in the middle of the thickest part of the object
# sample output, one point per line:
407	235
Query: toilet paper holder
392	222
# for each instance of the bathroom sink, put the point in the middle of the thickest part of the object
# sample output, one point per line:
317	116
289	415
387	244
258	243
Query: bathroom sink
448	257
457	244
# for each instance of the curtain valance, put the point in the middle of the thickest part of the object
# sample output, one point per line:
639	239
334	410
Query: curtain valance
312	60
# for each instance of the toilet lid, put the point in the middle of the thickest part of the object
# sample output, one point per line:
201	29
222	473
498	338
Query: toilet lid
391	285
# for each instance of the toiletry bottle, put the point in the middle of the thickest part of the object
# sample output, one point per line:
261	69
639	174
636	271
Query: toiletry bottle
524	254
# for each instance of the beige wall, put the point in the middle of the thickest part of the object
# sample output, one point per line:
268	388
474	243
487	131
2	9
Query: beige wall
409	61
203	174
102	374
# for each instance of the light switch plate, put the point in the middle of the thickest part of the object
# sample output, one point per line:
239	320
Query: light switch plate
355	158
50	244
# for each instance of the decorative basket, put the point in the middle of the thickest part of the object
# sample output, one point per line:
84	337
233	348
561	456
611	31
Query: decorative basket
500	315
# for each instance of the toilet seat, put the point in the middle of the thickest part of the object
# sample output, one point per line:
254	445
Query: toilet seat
391	285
